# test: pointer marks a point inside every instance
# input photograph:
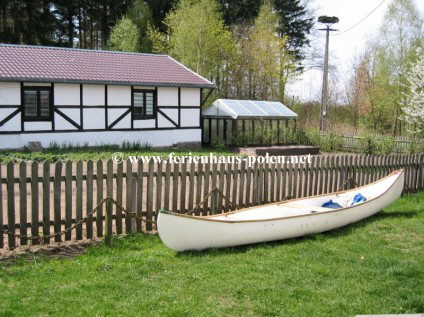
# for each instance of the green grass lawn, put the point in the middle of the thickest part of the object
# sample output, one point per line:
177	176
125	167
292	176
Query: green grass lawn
375	266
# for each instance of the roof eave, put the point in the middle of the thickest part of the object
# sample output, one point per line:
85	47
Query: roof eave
104	82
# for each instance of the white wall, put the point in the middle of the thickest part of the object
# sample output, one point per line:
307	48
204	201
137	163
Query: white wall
37	126
164	122
113	114
124	123
144	124
93	118
155	138
10	94
190	97
93	95
190	117
67	94
13	124
5	112
119	95
167	96
74	114
61	123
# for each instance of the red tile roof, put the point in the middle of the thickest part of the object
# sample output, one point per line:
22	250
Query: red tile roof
51	64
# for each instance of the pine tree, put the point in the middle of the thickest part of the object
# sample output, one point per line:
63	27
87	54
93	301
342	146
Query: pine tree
159	10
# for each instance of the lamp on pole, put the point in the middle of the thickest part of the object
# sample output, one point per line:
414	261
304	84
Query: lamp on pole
328	21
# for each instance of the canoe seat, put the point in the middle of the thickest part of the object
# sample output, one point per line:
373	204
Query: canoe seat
305	207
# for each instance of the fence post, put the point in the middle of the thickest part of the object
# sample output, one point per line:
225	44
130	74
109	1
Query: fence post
108	219
109	195
11	204
131	221
420	170
1	209
214	199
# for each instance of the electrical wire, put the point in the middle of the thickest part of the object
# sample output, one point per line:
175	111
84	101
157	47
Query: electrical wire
356	24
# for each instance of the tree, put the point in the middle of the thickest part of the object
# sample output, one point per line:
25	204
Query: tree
270	62
378	86
197	36
236	12
414	110
294	20
158	40
65	12
26	22
381	91
401	30
125	36
295	24
261	64
371	94
139	13
159	10
82	23
355	90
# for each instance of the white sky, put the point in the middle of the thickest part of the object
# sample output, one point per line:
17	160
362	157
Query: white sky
343	47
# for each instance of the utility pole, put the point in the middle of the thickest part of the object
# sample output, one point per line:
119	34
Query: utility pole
328	21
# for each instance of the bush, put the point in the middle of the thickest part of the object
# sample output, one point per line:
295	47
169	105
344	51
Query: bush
310	137
331	142
384	145
367	144
239	140
218	143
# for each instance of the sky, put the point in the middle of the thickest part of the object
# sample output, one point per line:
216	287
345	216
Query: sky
343	47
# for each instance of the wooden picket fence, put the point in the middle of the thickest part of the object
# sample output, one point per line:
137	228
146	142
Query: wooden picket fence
354	143
42	198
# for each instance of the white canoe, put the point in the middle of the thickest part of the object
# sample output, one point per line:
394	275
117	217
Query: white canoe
277	221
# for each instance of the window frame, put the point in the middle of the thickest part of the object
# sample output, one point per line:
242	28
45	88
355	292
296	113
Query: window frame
39	117
144	116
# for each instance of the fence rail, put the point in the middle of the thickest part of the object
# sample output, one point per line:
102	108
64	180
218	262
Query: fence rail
43	198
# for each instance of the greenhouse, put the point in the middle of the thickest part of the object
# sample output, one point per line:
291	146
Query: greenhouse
242	122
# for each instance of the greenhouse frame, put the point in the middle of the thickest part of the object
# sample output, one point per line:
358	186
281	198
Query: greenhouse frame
235	122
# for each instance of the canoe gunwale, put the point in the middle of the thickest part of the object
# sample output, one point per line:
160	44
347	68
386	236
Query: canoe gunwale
210	218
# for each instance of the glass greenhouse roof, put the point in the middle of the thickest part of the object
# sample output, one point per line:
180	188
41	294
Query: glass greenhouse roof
245	109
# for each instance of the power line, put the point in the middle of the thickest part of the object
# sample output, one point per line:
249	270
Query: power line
356	24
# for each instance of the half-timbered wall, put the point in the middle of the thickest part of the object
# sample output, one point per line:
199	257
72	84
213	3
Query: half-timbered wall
100	114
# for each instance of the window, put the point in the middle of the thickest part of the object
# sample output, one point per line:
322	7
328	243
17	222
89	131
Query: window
144	104
37	103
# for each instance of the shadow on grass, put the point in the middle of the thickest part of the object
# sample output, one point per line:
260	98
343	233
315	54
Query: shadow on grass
335	233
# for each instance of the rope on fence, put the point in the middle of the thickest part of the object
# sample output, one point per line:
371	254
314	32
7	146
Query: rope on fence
41	239
216	189
106	200
350	179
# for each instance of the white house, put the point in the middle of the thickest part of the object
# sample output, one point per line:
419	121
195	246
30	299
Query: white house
97	97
